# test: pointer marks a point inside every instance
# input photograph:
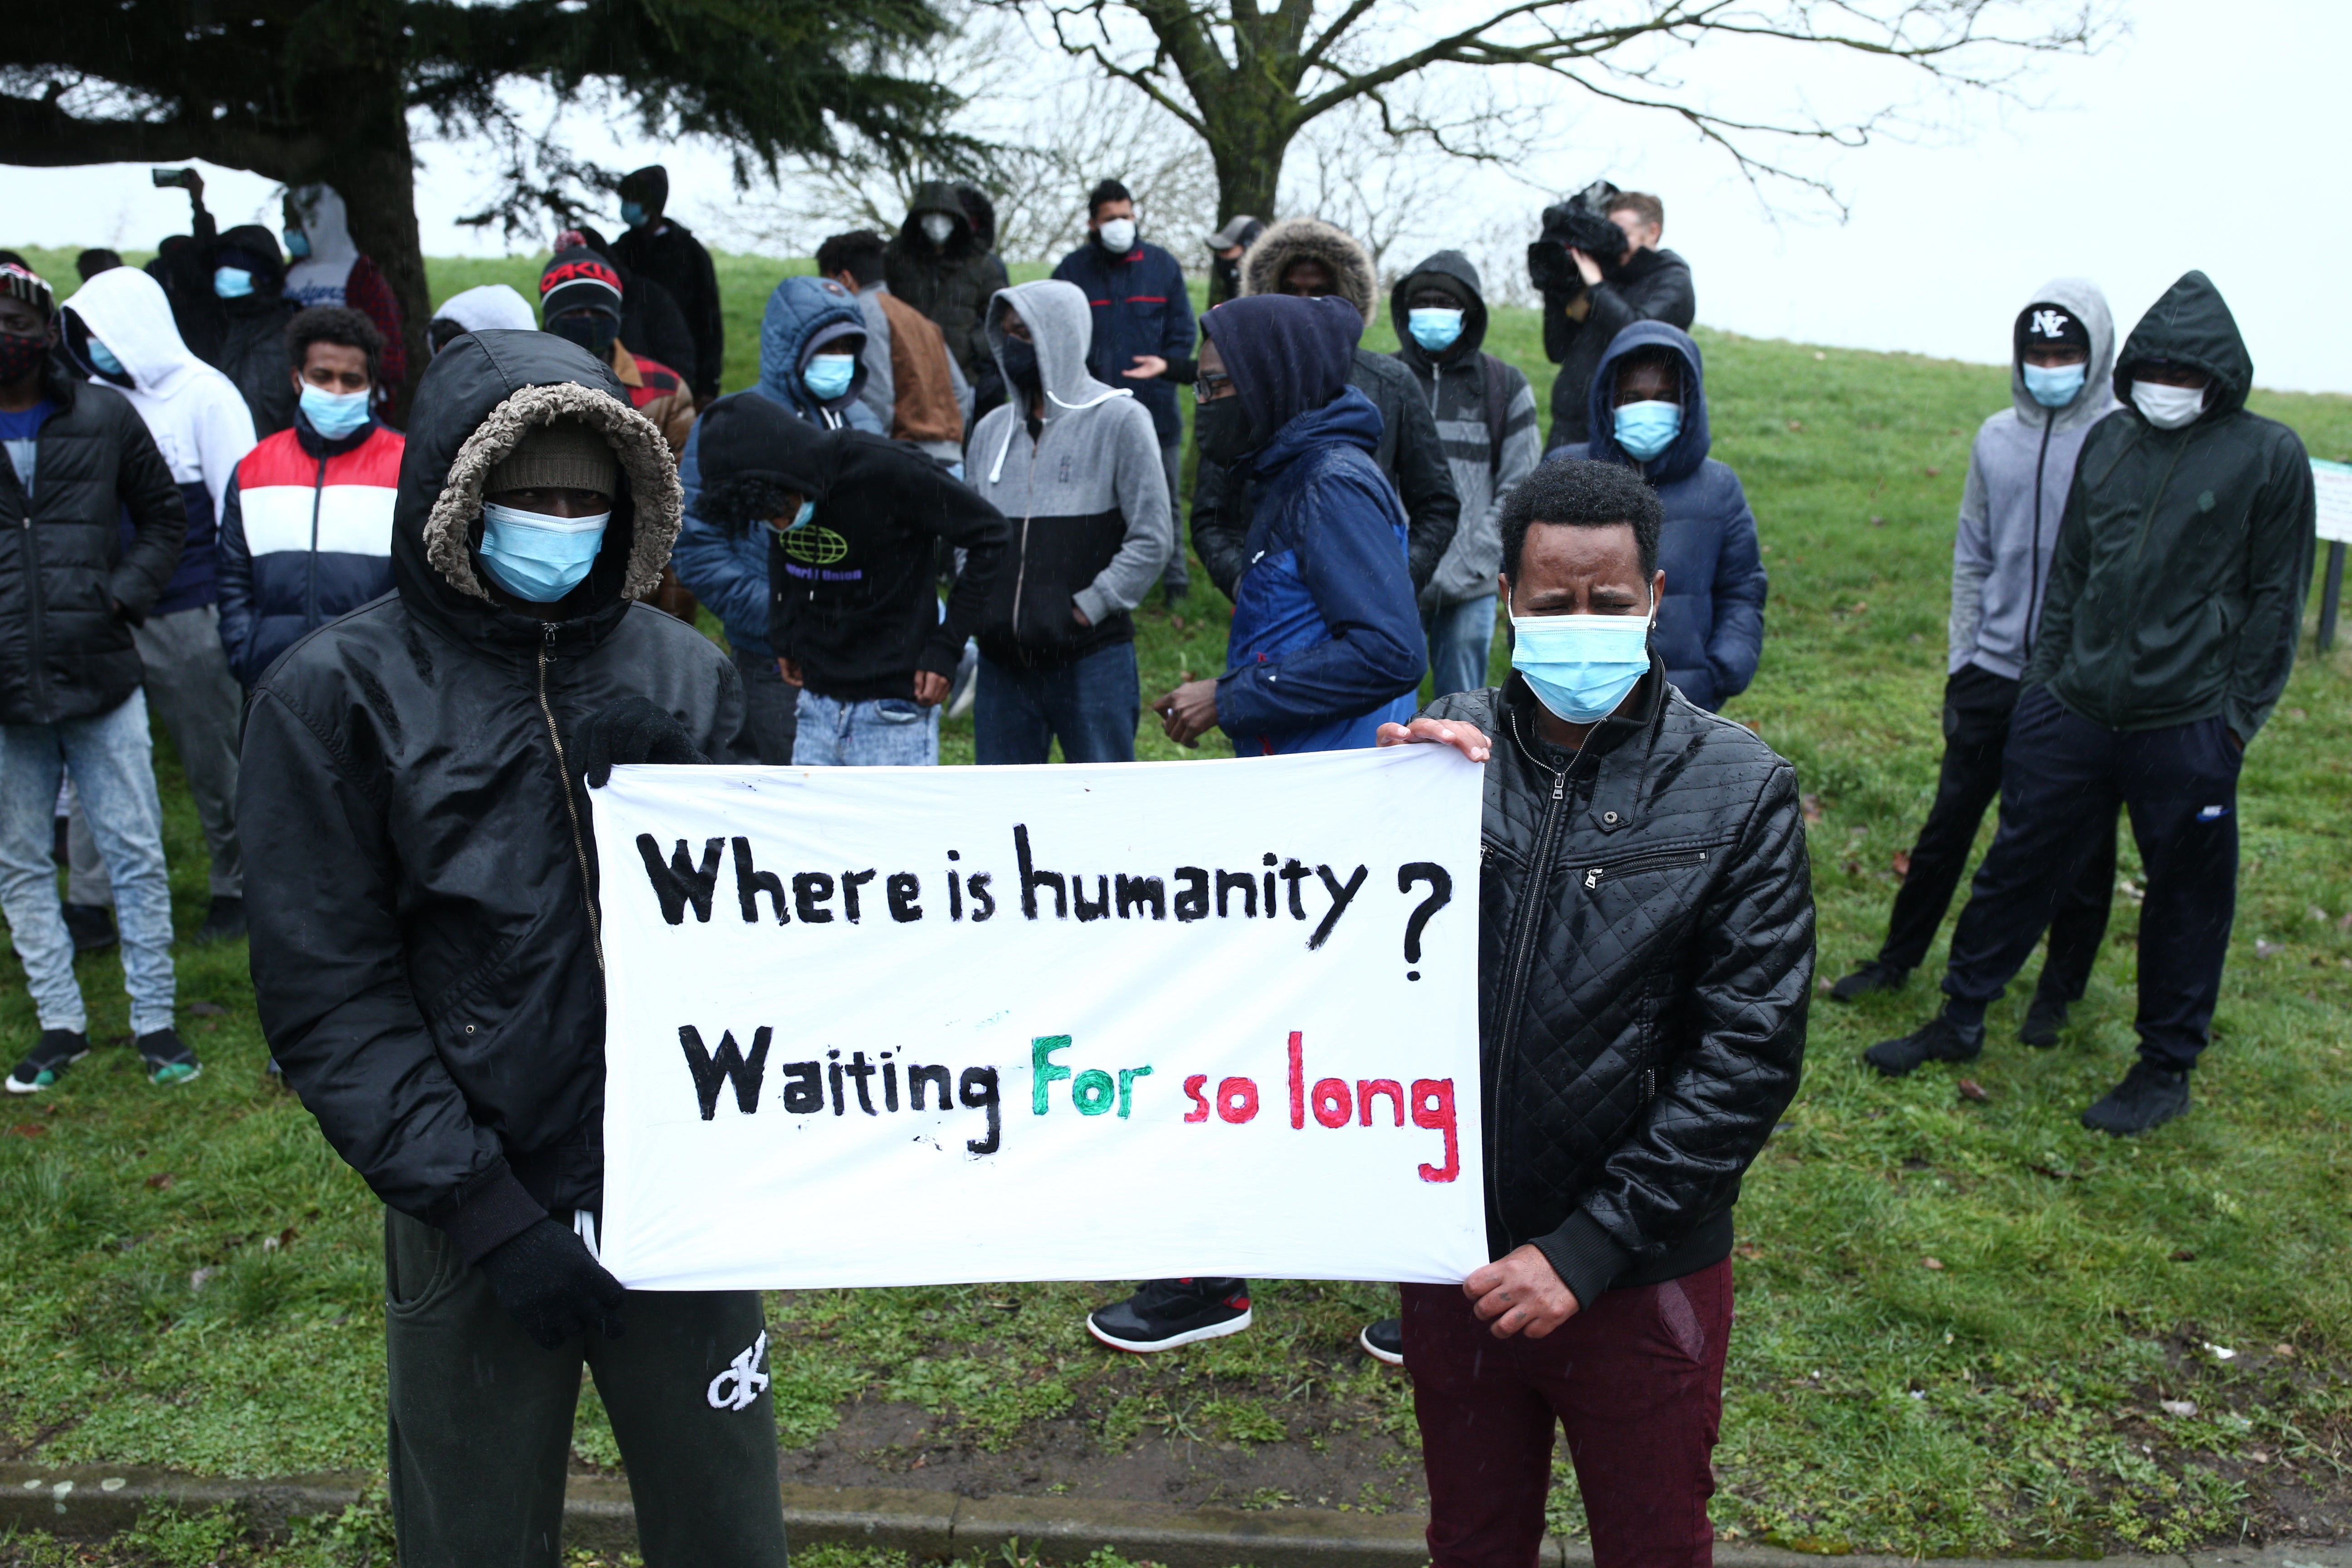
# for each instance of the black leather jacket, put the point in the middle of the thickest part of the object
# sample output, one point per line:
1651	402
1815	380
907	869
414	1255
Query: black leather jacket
1645	955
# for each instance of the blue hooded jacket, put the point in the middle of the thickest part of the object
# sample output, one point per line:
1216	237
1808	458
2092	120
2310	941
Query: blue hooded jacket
1711	627
730	576
1326	643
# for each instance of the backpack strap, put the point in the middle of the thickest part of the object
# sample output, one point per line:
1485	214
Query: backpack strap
1499	407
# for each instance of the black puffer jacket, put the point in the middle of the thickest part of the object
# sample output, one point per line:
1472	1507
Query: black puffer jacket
1645	954
64	651
418	862
251	338
950	283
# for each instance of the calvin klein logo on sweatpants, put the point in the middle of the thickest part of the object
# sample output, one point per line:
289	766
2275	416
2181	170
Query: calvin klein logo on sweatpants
744	1373
2212	812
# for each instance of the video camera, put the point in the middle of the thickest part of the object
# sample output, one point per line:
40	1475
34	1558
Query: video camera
1583	223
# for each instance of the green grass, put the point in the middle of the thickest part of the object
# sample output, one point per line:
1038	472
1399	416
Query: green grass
2009	1400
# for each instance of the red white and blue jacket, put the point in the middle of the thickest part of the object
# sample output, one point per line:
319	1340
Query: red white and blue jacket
1139	307
304	536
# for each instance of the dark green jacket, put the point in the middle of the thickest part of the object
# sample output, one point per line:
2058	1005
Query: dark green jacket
2184	555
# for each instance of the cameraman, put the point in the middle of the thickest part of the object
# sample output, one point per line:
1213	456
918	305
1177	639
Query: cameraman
1589	298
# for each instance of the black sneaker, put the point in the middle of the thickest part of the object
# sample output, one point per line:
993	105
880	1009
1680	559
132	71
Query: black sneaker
224	921
1165	1314
1936	1040
57	1050
91	926
168	1058
1384	1340
1872	976
2148	1097
2044	1019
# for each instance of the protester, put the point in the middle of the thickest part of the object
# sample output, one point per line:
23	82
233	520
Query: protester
855	521
485	307
657	246
2190	518
1079	463
1486	417
2019	470
80	458
1309	258
306	530
728	569
1325	646
248	282
328	270
1644	1024
1640	283
452	1047
1649	406
942	266
182	265
95	261
118	327
652	322
1225	248
922	391
580	300
1142	329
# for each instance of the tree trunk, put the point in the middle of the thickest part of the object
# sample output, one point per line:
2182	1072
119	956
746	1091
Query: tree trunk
1247	149
378	187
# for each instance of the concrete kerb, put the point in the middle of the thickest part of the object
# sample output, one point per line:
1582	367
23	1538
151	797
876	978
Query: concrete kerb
88	1501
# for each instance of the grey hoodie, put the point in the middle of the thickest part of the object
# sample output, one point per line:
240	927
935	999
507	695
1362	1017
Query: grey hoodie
1086	495
2019	473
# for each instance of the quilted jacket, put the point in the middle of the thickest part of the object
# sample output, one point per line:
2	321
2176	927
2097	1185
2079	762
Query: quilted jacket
1645	956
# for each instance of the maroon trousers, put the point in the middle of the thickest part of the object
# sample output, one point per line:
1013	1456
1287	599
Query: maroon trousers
1636	1379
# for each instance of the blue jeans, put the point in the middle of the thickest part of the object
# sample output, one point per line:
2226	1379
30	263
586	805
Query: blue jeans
882	732
770	705
1092	705
112	759
1460	636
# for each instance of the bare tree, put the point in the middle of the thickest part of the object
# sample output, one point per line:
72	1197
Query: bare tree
1247	77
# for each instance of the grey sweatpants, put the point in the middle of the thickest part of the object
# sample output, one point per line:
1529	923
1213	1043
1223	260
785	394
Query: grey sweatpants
190	688
482	1419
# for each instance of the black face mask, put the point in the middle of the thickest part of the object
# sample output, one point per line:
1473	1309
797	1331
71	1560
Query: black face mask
1020	363
1220	428
594	332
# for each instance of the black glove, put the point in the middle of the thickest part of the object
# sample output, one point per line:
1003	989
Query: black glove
546	1280
631	730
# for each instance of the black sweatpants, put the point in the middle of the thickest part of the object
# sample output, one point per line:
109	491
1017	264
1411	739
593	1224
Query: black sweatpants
482	1419
1977	707
2062	783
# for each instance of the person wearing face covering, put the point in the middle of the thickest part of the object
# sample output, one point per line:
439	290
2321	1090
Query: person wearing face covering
658	246
581	299
1606	294
2062	349
1645	959
2167	635
1227	247
328	270
427	965
1649	406
943	264
1486	417
247	278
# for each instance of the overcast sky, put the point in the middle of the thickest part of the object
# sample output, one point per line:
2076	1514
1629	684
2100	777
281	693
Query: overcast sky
2186	143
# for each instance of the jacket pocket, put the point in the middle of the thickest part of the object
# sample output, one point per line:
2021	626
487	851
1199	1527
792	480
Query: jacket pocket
1594	877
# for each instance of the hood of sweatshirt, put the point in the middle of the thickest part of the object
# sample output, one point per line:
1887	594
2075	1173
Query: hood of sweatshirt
2080	297
1287	356
1062	327
1455	273
752	452
1681	459
941	196
130	313
255	248
488	306
324	223
803	315
1311	239
479	398
2192	325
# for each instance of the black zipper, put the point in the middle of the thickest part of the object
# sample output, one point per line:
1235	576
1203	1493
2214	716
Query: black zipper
2139	546
1595	875
563	781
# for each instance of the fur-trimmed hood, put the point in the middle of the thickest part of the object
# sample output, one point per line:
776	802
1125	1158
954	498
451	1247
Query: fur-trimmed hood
1304	239
478	399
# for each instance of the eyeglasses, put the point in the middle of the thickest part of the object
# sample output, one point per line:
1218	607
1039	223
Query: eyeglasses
1211	386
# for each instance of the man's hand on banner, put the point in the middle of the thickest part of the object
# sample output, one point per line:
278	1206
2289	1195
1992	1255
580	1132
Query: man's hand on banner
1520	1293
546	1280
632	729
1466	738
1189	712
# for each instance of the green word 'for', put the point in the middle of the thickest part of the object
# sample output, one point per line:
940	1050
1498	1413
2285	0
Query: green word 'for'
1092	1091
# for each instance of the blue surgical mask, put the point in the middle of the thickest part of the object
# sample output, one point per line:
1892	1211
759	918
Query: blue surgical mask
2054	385
333	415
231	282
103	358
1646	429
633	213
827	376
297	245
537	557
1434	328
1581	667
803	517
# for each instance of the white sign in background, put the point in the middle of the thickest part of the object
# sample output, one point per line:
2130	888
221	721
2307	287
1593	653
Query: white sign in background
874	1026
2331	485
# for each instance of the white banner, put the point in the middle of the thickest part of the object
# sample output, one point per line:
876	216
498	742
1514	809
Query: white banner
922	1025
